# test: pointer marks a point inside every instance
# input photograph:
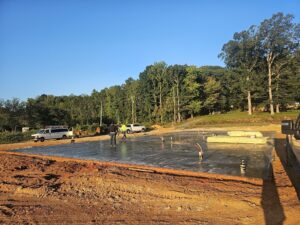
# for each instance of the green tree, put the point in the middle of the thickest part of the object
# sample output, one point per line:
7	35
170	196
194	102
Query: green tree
130	108
176	76
212	93
193	85
279	37
158	78
244	52
4	116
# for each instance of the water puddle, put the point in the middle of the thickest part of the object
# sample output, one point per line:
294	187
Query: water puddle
173	150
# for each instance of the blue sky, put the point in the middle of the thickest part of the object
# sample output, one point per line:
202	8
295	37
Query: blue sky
65	47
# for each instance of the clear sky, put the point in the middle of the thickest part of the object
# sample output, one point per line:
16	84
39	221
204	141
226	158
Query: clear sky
63	47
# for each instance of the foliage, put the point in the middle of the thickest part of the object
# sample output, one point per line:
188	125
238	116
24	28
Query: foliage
194	90
279	38
12	137
266	49
212	92
262	63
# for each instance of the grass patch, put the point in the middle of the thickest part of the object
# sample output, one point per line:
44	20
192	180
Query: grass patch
236	118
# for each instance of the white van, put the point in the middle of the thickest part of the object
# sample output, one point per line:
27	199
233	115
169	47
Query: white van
52	133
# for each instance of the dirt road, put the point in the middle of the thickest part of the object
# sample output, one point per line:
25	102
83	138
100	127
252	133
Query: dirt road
45	190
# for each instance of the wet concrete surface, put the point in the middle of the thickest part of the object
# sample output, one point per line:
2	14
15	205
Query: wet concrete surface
173	150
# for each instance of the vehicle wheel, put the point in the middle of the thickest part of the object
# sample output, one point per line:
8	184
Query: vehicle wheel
143	130
64	137
42	139
128	132
35	140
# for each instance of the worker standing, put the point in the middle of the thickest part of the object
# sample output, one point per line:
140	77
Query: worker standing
113	130
123	131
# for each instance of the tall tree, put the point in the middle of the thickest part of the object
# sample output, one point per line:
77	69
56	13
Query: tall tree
158	78
177	74
194	90
130	108
244	52
279	37
279	69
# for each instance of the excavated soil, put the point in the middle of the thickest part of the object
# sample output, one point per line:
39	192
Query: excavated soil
52	190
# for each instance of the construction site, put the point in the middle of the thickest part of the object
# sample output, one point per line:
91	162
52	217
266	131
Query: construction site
165	176
150	112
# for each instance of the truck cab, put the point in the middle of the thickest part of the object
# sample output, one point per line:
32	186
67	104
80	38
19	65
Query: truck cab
289	127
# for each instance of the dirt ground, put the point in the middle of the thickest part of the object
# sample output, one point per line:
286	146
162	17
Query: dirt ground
52	190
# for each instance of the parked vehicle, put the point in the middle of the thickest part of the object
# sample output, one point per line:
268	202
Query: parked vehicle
25	129
290	127
52	133
131	128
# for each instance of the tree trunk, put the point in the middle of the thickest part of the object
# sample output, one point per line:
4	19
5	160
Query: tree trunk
101	112
160	103
149	115
132	109
277	93
154	110
249	98
249	103
277	108
178	103
278	67
174	106
135	117
277	100
270	60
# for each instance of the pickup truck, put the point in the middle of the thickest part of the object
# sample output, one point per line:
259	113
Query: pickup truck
131	128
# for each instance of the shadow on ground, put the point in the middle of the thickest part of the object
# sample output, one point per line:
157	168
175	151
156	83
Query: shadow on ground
289	162
272	207
273	210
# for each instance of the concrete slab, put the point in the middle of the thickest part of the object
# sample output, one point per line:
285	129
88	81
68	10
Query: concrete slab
245	134
173	151
238	140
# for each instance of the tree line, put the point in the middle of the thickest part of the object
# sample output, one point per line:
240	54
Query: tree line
272	50
262	73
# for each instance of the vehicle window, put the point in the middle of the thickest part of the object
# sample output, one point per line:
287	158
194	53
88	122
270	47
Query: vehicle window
136	125
41	131
128	125
59	130
46	131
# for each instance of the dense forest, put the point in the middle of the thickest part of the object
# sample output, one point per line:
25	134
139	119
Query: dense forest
262	73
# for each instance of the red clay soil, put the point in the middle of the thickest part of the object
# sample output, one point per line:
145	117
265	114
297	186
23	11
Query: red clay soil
52	190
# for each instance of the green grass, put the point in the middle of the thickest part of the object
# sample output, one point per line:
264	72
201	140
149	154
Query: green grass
236	118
